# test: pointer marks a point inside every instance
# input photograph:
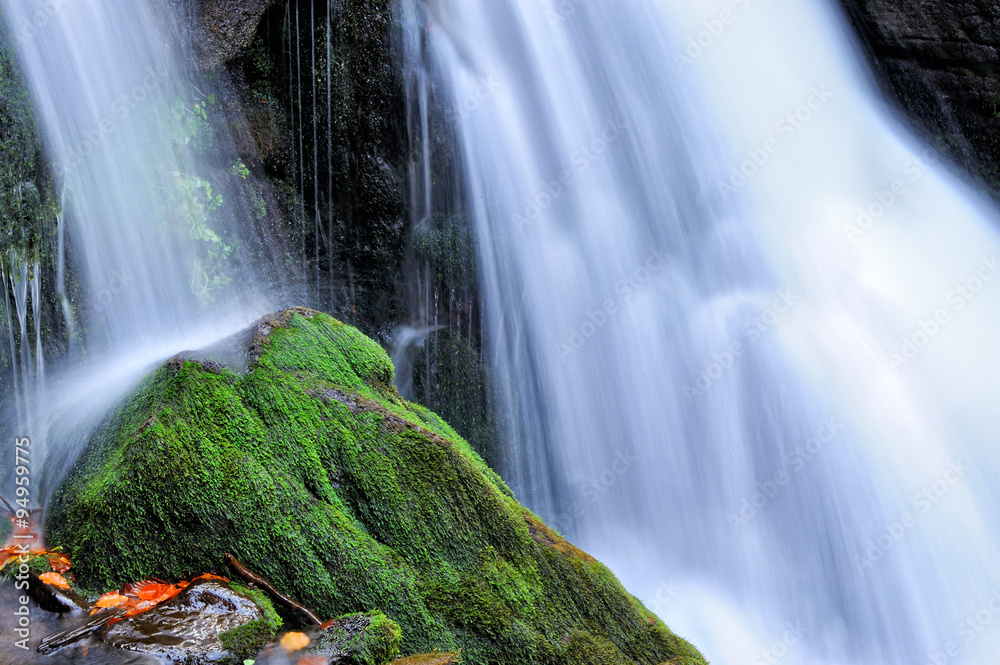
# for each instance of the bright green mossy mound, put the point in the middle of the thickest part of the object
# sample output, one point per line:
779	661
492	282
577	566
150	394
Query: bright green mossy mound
312	471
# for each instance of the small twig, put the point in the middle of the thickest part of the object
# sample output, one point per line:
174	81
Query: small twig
256	579
64	637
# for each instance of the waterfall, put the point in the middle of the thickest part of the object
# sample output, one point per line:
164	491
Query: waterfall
742	319
161	266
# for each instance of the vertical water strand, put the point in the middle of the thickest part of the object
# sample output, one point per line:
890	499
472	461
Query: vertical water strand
329	170
425	141
7	283
317	219
291	82
39	427
67	310
19	287
302	157
427	318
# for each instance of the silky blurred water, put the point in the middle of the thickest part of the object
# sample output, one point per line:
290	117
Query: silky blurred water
745	321
159	240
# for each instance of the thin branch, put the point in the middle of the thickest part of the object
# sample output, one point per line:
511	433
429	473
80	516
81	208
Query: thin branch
257	580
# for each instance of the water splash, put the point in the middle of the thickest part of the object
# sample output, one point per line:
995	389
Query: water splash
745	318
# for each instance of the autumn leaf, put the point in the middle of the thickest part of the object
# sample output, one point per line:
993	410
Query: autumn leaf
54	579
110	599
295	641
154	591
141	607
59	562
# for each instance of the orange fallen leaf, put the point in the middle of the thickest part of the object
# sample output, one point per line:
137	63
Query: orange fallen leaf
60	563
141	607
110	599
54	579
295	641
153	591
138	597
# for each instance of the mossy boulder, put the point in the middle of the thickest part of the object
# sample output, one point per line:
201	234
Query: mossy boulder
307	466
360	639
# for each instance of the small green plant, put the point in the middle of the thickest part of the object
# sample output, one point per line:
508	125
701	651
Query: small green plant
240	170
194	129
197	204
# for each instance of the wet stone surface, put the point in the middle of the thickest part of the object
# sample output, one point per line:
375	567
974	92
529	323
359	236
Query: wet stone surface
188	626
89	651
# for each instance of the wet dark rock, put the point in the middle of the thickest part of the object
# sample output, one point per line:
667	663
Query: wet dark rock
190	628
938	62
53	599
224	27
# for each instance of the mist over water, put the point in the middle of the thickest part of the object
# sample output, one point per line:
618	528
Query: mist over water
748	320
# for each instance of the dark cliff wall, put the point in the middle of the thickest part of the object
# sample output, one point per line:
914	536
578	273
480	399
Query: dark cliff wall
939	62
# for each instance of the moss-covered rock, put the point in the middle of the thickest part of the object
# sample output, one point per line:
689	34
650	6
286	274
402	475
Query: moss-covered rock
360	639
243	642
310	469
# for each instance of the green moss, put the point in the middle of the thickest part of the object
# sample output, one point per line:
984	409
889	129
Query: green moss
361	639
36	564
26	199
312	471
271	619
585	649
6	529
246	641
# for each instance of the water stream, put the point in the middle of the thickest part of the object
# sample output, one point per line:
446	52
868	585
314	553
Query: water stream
743	320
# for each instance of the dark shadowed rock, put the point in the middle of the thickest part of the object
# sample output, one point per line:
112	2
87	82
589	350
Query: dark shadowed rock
938	61
222	28
54	599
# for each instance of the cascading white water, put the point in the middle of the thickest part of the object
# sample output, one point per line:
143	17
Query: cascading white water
746	318
118	108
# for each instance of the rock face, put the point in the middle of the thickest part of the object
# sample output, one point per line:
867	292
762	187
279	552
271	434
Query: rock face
222	28
308	467
938	60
